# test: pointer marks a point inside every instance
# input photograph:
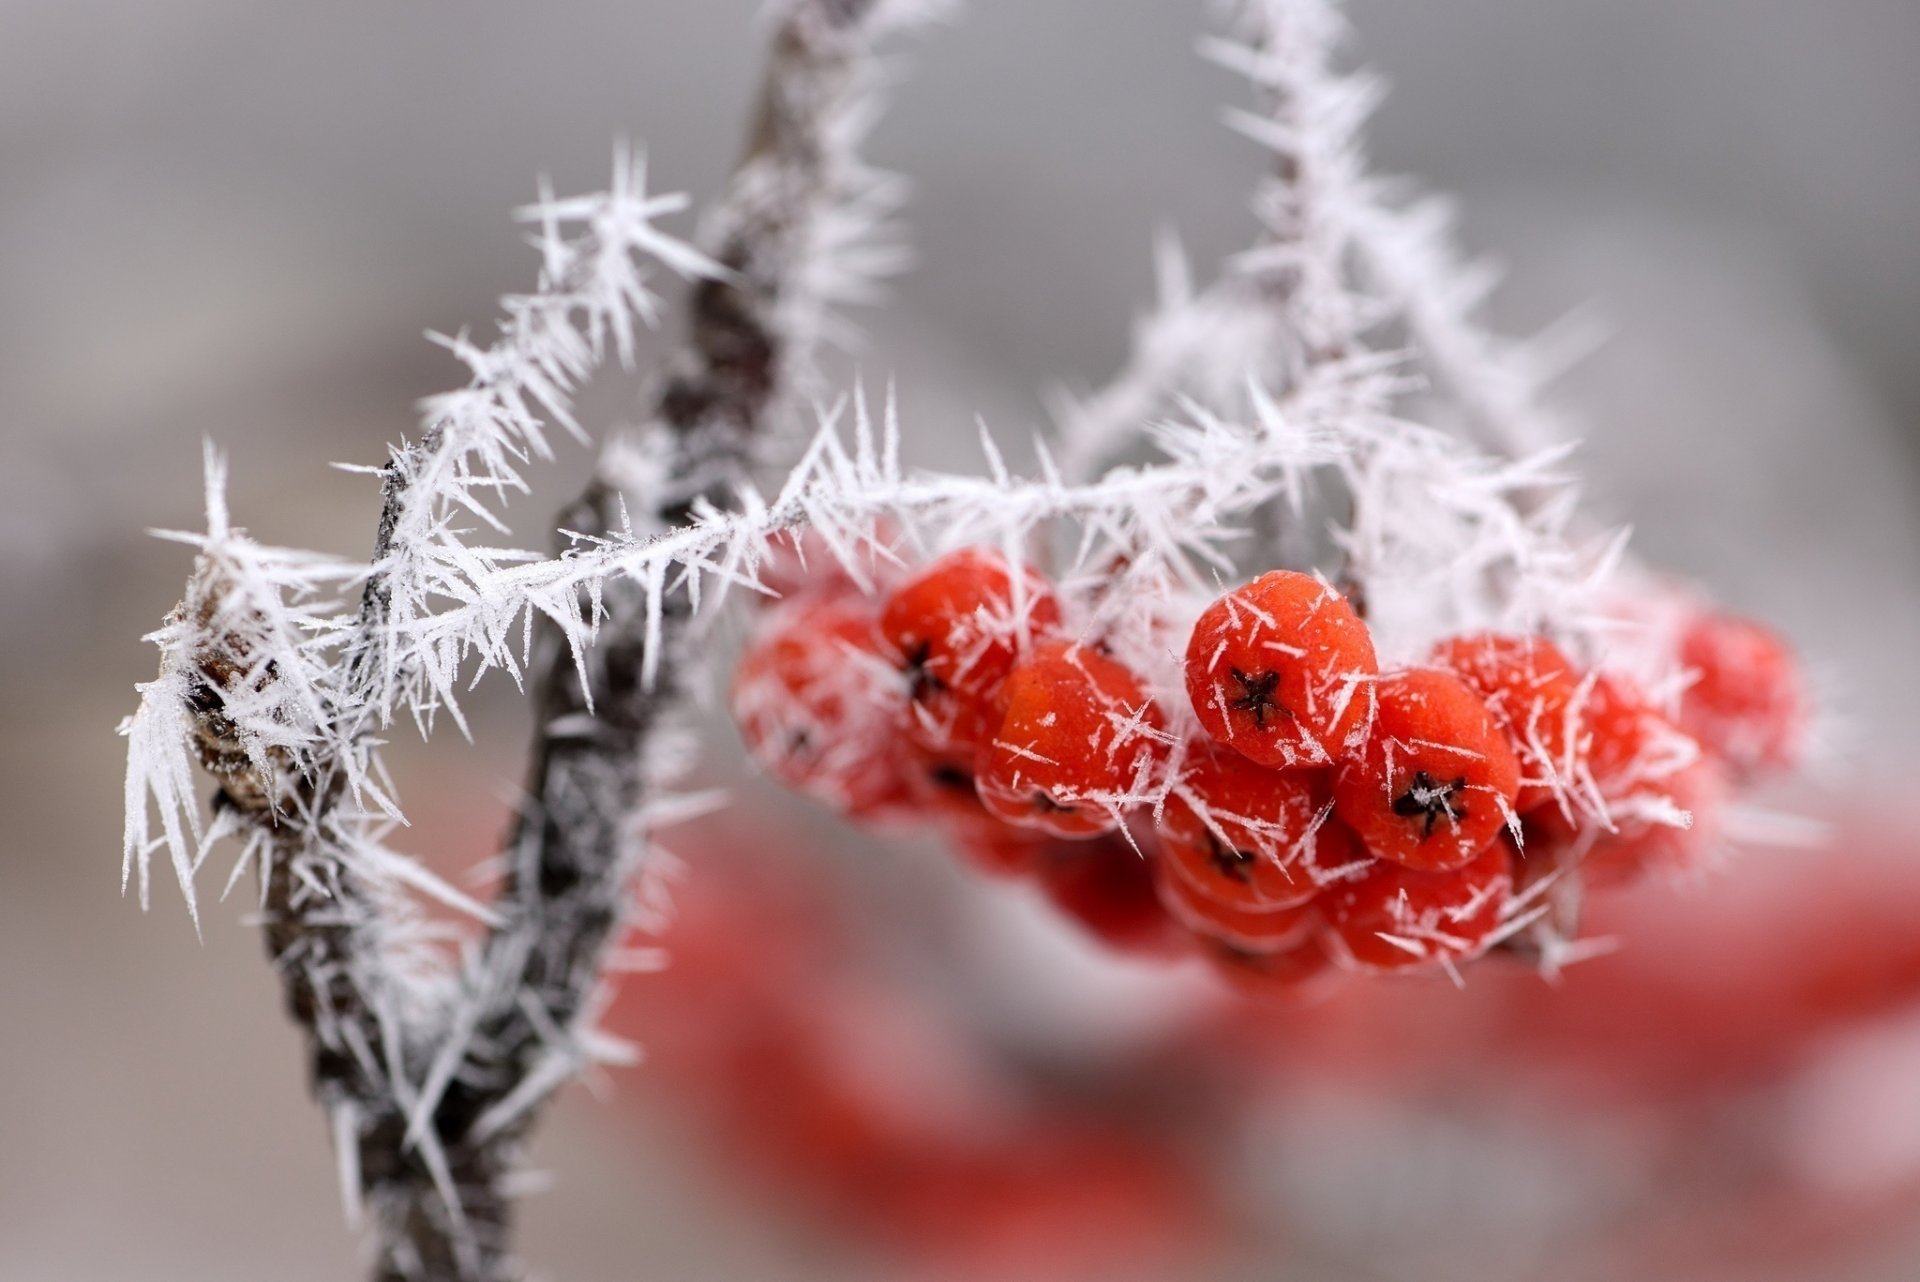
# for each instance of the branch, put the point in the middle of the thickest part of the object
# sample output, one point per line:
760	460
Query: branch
522	1026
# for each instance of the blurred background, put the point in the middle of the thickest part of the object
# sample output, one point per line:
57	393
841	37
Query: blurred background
232	221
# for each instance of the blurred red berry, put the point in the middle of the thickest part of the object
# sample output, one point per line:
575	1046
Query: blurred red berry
1286	975
1633	746
1532	689
1671	828
1248	836
1107	888
955	630
1747	703
1078	734
1249	929
1395	917
819	710
1437	780
1281	670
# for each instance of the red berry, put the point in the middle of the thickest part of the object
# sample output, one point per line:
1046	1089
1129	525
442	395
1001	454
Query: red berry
1287	975
1672	828
992	845
1249	837
1631	742
1533	691
1747	703
1251	929
1281	670
1395	917
1437	780
1078	737
1107	887
818	709
955	630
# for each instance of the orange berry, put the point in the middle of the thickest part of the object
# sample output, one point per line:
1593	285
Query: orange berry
1437	780
1281	671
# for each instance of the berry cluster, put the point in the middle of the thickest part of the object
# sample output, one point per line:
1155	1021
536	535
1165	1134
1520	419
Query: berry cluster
1305	810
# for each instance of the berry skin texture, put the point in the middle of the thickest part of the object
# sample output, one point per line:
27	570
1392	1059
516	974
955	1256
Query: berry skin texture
1395	918
1281	671
1437	780
1747	703
1533	690
1248	837
817	709
1254	930
1078	734
955	630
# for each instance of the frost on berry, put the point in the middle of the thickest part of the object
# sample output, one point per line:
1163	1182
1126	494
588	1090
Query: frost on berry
1079	740
818	710
1250	837
955	629
1281	671
1396	918
1534	691
1436	782
1746	701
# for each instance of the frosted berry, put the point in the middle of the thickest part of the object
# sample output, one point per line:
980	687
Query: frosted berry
1747	703
955	630
1436	782
1395	918
1281	671
1248	836
1533	690
819	711
1078	734
1107	888
1631	743
1672	828
1249	929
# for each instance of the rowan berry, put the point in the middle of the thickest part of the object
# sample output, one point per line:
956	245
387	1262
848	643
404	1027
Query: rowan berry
1533	690
1250	837
818	708
991	844
1396	917
1287	975
1436	781
1747	703
1077	737
1107	888
1631	743
955	630
1669	828
1250	929
1281	670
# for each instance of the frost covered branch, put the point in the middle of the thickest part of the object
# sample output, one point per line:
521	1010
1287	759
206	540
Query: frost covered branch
280	688
1309	394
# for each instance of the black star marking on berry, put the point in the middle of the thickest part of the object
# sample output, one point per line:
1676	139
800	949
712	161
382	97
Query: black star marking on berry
1430	798
920	682
1234	865
1256	697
